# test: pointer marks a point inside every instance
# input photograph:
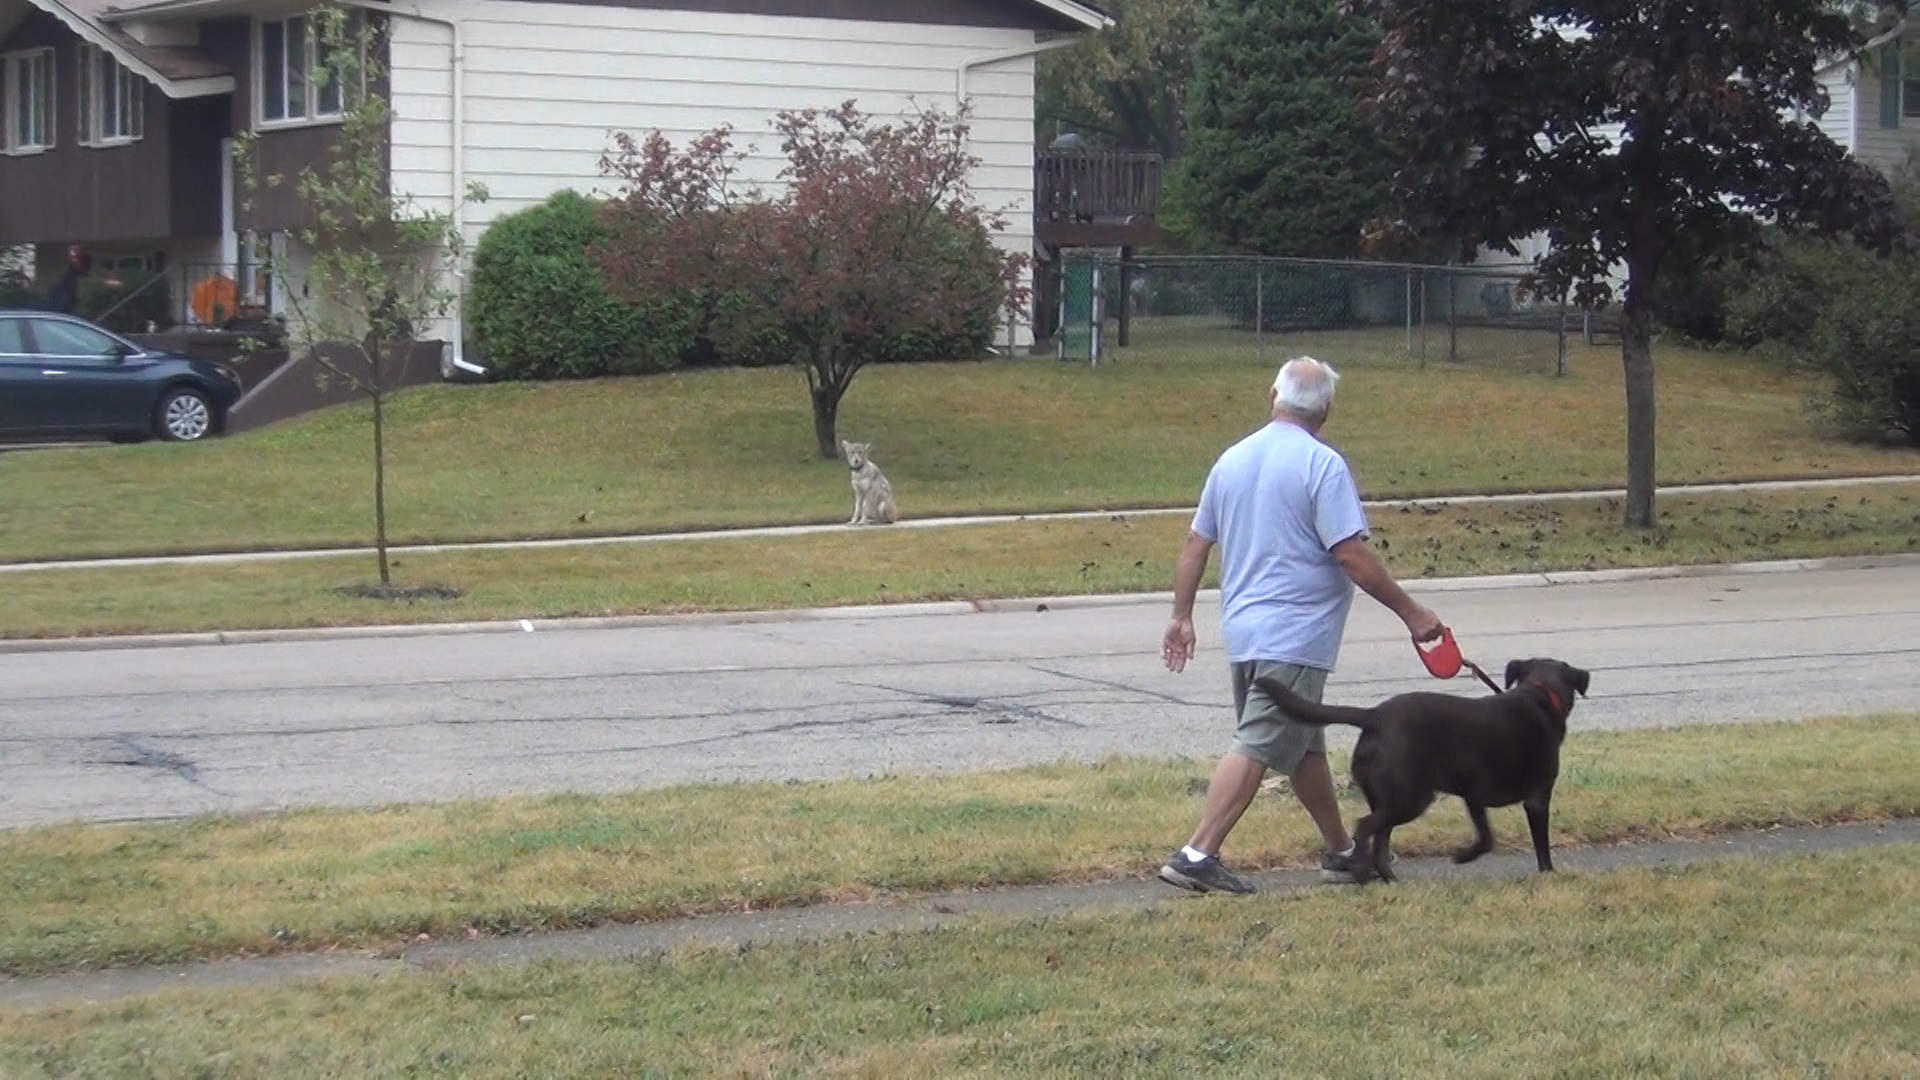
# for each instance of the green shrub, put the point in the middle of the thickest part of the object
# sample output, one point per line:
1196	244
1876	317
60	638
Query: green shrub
979	303
127	301
1846	315
540	311
17	292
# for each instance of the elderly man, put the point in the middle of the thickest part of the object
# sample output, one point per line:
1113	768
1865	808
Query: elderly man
1284	509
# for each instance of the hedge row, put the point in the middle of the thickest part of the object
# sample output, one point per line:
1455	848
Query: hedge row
539	309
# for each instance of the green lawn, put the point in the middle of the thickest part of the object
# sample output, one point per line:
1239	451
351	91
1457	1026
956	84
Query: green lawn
106	895
1799	966
731	447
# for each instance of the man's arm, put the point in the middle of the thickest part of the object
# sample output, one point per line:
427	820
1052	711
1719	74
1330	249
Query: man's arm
1176	647
1367	571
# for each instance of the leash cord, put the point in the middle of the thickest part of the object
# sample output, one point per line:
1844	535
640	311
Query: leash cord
1475	668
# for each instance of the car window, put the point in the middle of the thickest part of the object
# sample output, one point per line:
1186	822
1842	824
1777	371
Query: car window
69	339
12	340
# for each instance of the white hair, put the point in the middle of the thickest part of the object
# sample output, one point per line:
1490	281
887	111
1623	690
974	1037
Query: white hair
1304	387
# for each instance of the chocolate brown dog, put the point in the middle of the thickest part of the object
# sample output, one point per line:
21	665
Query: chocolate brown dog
1491	751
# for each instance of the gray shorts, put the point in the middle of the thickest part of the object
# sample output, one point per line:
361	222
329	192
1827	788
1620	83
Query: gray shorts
1265	733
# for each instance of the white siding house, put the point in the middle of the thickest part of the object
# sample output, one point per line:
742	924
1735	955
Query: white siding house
544	87
1875	110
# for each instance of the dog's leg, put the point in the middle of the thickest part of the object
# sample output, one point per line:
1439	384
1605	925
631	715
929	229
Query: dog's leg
1537	825
1363	840
1482	836
1381	851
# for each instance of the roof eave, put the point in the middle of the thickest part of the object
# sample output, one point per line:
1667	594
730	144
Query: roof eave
204	86
1089	17
1084	15
1893	34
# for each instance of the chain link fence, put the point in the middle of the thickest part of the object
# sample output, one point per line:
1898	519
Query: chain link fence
1182	309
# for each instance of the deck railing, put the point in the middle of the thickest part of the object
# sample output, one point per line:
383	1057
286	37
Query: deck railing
1097	185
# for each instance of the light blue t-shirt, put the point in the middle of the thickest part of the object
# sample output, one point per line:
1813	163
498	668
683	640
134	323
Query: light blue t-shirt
1276	503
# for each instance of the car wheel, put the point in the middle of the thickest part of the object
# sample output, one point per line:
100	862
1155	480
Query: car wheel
184	415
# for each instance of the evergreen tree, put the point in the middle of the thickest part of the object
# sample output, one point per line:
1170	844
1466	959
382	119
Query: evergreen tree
1281	158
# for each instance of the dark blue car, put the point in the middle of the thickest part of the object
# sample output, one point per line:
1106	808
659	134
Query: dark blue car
65	378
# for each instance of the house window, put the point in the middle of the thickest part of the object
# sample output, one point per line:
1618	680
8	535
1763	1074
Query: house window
27	78
112	99
297	82
1910	82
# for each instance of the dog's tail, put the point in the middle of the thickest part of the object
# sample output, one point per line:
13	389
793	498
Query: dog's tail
1312	712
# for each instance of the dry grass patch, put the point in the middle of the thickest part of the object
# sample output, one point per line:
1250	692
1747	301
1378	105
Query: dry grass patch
103	895
716	448
1801	966
882	565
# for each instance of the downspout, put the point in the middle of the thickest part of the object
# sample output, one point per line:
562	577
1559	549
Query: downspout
1015	53
452	356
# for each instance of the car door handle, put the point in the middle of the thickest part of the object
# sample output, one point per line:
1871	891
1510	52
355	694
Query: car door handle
50	371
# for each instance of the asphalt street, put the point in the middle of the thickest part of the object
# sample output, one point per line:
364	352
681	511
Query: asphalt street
152	733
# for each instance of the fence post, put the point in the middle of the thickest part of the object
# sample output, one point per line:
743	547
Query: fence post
1453	319
1126	297
1096	316
1409	312
1259	310
1423	319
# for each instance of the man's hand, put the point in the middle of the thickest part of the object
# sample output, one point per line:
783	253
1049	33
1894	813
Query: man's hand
1176	647
1424	624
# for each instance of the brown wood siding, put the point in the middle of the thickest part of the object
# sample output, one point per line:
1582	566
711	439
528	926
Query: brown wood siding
197	125
79	194
283	152
1004	14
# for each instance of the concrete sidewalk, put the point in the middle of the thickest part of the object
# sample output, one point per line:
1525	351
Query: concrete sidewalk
828	921
910	523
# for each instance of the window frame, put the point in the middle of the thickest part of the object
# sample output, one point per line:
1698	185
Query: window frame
11	64
298	80
1907	54
129	93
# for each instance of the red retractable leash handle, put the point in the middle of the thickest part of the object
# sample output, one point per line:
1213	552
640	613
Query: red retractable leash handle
1443	659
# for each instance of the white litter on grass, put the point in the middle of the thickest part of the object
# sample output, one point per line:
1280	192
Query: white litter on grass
527	625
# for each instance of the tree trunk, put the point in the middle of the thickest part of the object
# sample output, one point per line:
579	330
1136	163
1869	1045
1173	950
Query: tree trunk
826	411
380	487
1636	353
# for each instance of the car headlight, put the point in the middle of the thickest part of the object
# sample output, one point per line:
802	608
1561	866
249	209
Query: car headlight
228	374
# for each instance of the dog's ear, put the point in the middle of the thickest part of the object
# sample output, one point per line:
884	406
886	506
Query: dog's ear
1579	680
1517	670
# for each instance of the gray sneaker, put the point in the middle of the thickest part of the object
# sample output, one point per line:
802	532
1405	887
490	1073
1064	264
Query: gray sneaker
1342	868
1202	876
1349	868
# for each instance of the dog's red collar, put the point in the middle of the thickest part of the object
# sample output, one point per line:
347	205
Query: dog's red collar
1553	699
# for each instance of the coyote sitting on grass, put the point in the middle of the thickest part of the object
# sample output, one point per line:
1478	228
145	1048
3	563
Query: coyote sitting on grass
872	495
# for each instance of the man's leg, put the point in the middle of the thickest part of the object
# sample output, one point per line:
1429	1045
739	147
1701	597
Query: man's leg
1236	780
1312	782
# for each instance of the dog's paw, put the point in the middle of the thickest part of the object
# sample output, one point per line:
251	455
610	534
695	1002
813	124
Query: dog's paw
1467	854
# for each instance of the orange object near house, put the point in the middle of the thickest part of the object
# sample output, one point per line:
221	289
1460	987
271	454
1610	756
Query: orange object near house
214	300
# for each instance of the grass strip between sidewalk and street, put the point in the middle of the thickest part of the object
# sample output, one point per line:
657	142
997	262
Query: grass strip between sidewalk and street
1802	965
89	896
1027	559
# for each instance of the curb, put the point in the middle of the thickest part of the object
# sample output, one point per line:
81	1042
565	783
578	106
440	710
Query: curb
1009	605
